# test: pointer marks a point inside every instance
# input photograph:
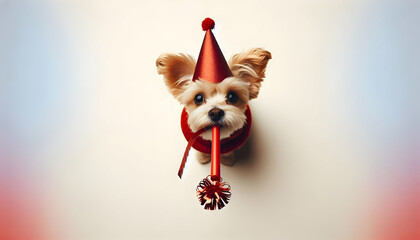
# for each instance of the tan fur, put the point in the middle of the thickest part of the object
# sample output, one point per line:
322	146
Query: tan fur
250	66
228	159
248	69
203	158
176	69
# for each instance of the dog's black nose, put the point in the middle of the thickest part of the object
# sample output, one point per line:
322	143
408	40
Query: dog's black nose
216	114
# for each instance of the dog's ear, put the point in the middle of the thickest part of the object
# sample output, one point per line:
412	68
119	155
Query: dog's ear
177	70
250	66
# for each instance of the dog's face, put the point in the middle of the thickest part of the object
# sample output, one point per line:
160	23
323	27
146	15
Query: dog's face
221	103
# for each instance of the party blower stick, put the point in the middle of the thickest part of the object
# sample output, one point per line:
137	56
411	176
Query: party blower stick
212	192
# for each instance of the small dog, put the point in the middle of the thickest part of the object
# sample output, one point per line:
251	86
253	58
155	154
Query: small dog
221	103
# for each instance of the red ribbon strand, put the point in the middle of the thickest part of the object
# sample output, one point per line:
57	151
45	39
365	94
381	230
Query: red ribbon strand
188	148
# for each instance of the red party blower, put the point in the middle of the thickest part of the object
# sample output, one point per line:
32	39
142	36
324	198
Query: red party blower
212	192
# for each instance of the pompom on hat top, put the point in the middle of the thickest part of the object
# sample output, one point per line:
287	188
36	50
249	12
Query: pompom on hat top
207	24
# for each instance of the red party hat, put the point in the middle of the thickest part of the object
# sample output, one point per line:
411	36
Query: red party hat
211	64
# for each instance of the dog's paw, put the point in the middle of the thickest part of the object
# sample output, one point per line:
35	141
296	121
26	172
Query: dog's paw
203	158
228	159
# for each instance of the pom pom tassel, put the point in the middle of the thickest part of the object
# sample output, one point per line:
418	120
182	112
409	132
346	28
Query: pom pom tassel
213	194
207	24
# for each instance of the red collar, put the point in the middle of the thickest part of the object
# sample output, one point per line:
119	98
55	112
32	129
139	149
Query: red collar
227	145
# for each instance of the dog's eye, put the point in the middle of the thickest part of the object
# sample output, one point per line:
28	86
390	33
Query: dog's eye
232	97
199	99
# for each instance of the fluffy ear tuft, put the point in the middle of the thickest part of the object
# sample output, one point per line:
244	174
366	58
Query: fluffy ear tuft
177	70
250	66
